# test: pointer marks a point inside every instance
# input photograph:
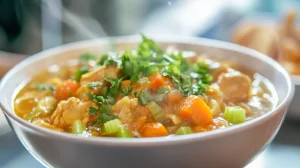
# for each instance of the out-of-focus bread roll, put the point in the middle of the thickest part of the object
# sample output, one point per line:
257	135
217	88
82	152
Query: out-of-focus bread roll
281	42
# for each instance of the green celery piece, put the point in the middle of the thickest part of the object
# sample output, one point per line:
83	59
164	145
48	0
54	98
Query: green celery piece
78	127
124	133
156	111
235	115
184	130
112	126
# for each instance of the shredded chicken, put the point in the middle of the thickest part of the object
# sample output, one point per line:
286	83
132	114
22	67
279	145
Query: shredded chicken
68	111
125	108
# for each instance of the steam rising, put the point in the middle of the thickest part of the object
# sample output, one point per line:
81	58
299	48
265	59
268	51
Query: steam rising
87	28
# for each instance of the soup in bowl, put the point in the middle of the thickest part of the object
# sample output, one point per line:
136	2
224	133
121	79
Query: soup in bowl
130	101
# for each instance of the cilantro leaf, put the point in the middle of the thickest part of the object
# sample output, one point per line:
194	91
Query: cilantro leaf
105	115
102	59
111	62
130	66
94	85
93	110
79	72
145	97
105	108
126	91
103	118
148	47
115	85
161	92
44	87
97	99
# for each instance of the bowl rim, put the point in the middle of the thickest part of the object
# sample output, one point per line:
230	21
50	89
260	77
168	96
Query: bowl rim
155	141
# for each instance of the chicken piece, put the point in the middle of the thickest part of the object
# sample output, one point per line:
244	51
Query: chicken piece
235	86
125	108
83	92
68	111
95	76
218	70
99	74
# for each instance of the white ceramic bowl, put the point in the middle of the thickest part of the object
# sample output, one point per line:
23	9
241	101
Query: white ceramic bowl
294	109
232	147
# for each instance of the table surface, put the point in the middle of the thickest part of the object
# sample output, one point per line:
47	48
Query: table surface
284	151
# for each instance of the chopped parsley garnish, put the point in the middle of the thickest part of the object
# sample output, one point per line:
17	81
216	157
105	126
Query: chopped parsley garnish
145	97
84	58
94	85
111	62
189	78
105	108
105	115
79	72
103	118
44	87
161	92
115	85
97	99
93	110
126	91
103	59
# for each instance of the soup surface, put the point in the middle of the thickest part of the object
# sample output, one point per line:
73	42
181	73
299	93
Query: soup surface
145	92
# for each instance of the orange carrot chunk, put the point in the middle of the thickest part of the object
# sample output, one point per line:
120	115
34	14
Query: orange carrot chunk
154	130
66	89
196	110
157	80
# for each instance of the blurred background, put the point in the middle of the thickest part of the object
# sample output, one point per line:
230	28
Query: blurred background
30	26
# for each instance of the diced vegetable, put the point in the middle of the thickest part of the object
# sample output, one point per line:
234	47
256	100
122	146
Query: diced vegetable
235	115
154	130
196	110
47	104
44	107
66	89
156	111
175	119
184	130
124	133
78	127
157	80
145	97
112	126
